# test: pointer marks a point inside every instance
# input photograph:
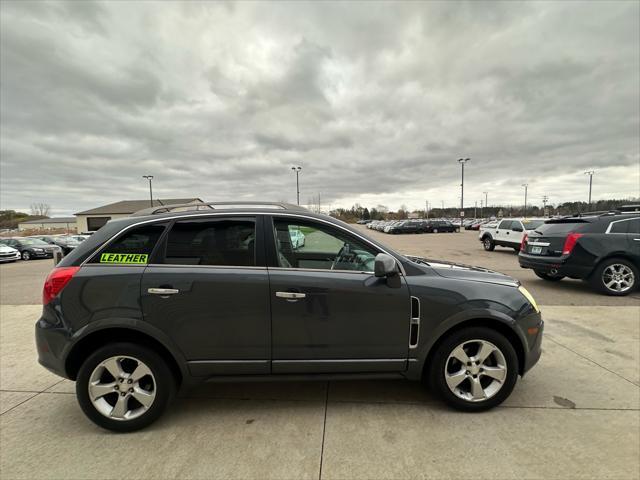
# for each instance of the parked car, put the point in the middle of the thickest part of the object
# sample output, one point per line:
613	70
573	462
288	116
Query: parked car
363	222
297	238
508	233
348	308
30	248
8	254
65	242
406	226
601	249
440	226
79	237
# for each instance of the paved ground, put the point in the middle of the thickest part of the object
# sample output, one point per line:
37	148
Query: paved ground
576	415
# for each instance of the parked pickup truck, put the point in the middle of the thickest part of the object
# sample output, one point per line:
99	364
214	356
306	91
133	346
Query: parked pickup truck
509	233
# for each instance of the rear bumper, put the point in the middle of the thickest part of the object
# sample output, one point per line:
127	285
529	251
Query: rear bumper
562	265
50	342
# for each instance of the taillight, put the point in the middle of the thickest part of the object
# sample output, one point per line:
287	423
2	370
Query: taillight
570	242
523	243
56	281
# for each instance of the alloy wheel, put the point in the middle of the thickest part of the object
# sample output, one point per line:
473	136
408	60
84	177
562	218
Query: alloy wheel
475	370
122	388
618	277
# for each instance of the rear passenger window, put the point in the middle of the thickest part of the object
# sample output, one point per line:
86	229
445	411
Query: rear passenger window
132	247
212	242
505	225
626	226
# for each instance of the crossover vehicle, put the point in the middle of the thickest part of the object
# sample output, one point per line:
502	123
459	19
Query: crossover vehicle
30	248
8	254
169	298
603	249
509	233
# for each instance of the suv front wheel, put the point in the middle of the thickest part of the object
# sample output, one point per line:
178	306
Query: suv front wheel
615	276
124	387
474	369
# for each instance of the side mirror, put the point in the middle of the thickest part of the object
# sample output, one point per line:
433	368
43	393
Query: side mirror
385	266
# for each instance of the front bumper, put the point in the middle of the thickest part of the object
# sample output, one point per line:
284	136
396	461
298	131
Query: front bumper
557	265
12	258
535	350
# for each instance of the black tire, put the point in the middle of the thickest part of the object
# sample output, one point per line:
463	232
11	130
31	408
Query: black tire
487	243
165	386
597	281
26	256
437	381
548	276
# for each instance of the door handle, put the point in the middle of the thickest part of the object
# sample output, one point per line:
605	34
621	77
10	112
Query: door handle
291	295
163	291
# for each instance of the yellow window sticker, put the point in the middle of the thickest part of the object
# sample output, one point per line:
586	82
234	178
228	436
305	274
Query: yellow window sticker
124	258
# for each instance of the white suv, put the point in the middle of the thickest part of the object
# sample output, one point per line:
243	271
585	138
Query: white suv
508	232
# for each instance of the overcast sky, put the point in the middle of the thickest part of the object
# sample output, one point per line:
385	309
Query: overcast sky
375	101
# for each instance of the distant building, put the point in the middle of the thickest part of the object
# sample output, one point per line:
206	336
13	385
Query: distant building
60	223
92	220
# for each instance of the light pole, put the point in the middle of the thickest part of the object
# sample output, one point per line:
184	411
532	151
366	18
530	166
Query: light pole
481	209
462	162
486	202
590	173
545	199
149	177
526	186
297	170
475	207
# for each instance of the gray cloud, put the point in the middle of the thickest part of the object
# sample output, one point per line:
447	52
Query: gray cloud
375	101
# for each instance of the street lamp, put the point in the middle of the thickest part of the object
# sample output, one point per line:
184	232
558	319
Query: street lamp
297	170
486	202
525	185
462	162
149	177
590	173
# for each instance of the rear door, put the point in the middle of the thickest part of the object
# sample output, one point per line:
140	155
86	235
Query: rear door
329	312
208	289
501	232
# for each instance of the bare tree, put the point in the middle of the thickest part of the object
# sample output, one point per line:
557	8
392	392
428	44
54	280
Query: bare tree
40	209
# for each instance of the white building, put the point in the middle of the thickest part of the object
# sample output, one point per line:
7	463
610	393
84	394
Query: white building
60	223
92	220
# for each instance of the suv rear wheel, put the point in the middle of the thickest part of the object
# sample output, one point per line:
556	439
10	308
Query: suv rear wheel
615	276
124	387
487	243
474	369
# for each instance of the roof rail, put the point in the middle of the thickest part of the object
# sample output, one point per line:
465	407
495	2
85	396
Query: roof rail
188	207
596	213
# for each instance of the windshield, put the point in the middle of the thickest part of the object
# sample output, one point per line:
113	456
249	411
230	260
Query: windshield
33	241
532	224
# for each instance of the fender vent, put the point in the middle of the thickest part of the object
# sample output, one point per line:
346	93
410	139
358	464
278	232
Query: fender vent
414	325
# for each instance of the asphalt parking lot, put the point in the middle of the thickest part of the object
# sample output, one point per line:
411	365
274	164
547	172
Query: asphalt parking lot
575	415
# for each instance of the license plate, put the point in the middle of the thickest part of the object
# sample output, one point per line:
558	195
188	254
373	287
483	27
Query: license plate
536	250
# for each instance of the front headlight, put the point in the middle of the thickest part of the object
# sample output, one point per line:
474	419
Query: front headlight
38	250
529	297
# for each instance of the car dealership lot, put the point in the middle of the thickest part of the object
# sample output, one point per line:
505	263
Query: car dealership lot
575	415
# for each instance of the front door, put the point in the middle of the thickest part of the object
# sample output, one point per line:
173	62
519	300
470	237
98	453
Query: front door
208	290
329	312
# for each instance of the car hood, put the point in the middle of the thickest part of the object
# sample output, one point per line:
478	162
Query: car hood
466	272
6	249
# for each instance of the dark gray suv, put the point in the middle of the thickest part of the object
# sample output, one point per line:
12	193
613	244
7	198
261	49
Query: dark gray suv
178	295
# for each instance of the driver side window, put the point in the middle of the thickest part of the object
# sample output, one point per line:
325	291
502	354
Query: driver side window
316	246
